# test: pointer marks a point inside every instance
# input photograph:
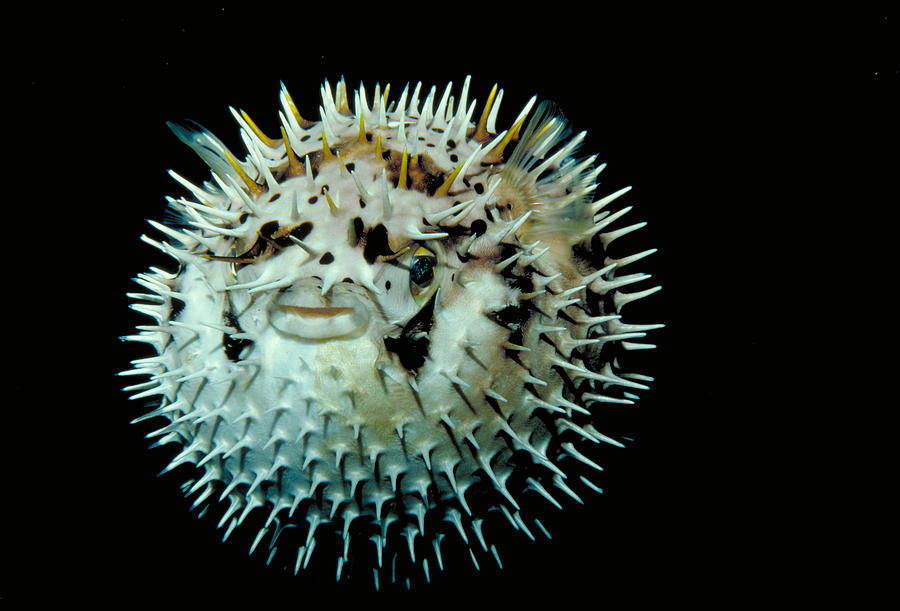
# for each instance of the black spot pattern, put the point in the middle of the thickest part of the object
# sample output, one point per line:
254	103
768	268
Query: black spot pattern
376	243
409	346
233	347
302	230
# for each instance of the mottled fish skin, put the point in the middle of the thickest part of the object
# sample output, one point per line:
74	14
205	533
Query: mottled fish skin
380	315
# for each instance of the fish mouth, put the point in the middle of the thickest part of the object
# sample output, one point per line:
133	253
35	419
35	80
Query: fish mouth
301	311
321	312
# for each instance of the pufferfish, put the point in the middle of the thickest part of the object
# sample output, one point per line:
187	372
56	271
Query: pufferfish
388	325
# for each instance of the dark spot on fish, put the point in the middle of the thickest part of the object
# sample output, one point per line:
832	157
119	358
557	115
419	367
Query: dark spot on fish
358	229
267	229
511	317
411	347
233	346
175	308
478	227
432	182
376	240
302	230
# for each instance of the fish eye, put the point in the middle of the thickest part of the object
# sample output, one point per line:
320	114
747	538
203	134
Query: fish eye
422	273
422	270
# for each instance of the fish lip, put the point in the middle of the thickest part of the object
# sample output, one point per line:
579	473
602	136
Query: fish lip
315	312
307	316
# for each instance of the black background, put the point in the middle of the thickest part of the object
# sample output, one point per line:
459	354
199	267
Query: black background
704	114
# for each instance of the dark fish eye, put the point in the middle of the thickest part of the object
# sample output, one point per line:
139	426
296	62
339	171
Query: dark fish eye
421	272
